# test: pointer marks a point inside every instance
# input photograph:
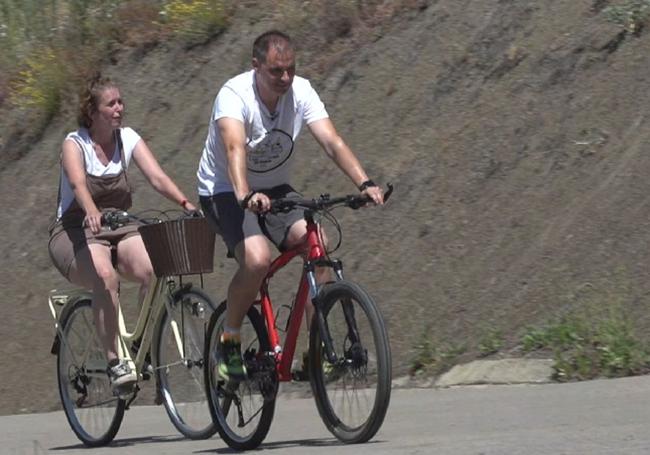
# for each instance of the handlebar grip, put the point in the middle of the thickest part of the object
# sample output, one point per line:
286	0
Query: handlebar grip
357	202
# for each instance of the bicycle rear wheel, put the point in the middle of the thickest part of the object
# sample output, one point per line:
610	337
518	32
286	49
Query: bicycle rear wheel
242	411
93	411
352	394
179	362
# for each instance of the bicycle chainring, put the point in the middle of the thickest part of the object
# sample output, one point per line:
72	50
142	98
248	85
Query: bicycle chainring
262	372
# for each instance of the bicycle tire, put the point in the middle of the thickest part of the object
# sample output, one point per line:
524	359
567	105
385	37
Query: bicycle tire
93	411
258	409
179	362
362	374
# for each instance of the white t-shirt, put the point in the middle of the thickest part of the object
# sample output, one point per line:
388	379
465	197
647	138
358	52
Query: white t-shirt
269	137
82	138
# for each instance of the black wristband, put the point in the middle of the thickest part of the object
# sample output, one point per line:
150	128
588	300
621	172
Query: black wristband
367	184
244	202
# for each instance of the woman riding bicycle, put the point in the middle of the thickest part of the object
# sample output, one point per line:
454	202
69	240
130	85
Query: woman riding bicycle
93	179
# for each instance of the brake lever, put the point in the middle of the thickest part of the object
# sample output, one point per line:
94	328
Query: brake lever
193	214
114	219
356	202
389	191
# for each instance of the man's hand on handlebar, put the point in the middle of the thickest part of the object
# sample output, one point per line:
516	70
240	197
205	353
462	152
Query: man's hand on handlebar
375	194
258	203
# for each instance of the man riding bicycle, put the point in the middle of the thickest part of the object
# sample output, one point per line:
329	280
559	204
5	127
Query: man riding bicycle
246	162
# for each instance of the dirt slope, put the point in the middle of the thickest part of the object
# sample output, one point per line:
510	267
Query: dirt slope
516	134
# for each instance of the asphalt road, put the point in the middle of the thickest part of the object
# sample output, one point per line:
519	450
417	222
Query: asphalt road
595	417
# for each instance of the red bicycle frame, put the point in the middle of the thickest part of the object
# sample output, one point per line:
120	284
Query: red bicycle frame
284	355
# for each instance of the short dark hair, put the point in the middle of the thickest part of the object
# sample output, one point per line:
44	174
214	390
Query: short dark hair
263	43
89	97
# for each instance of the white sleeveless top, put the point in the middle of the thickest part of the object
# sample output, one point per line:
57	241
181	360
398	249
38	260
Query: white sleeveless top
82	139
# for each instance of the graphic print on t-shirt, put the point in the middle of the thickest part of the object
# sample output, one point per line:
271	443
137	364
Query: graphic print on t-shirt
271	152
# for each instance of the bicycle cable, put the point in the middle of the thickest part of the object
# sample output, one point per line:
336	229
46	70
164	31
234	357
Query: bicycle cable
326	214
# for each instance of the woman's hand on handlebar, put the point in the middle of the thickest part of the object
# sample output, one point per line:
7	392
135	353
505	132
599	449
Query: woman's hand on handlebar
188	207
93	220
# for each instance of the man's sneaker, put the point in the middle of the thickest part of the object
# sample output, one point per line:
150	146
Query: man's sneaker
303	374
229	362
121	375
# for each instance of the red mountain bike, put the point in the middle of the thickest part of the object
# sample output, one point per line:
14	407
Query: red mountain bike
349	364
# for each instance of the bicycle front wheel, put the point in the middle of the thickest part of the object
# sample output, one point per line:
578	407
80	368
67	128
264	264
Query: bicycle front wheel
179	362
93	411
242	410
352	394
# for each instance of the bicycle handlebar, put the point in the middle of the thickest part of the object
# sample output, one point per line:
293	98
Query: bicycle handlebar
115	219
354	201
118	218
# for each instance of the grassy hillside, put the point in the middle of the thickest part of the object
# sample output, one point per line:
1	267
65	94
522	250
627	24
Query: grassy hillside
516	134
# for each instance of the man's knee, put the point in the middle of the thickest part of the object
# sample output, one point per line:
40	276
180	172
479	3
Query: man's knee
257	263
254	255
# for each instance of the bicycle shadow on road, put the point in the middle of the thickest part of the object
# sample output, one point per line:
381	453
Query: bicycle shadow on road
317	442
126	442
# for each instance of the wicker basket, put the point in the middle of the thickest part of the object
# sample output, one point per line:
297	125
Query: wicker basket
179	247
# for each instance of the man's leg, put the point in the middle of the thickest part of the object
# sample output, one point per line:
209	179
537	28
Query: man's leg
254	257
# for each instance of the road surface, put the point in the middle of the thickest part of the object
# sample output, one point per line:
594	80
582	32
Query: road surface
591	418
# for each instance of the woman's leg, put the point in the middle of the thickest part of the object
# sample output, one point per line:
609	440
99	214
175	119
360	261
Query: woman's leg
133	263
92	269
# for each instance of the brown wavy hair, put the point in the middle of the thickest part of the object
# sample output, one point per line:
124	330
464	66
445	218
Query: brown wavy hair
89	97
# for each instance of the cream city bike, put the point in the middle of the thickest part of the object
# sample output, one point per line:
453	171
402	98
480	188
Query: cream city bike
166	343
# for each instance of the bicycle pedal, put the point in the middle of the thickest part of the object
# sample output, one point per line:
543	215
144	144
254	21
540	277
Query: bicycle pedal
124	392
300	376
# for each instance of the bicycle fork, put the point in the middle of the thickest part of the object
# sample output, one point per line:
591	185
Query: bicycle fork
323	328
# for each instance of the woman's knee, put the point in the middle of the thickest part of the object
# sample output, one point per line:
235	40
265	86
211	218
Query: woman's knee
106	277
143	273
134	261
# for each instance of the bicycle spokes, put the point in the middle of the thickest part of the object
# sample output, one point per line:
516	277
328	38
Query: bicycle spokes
242	410
352	393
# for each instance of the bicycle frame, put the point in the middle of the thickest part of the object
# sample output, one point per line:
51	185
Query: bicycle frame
152	306
307	288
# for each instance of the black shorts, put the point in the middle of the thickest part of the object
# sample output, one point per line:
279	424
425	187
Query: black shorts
233	223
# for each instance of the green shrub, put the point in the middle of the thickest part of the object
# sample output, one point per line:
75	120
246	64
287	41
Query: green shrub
586	347
434	358
39	82
195	20
632	15
491	342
